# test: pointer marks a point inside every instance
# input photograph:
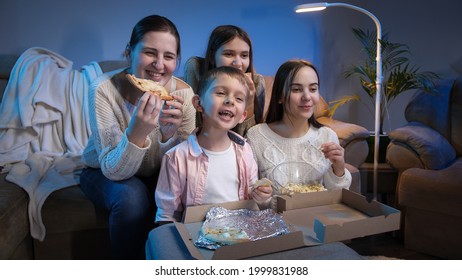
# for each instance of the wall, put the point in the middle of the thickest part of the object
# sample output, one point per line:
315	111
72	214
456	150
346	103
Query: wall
86	30
431	29
89	30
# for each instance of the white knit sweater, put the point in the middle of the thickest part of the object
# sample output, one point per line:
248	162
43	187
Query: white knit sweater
270	149
108	147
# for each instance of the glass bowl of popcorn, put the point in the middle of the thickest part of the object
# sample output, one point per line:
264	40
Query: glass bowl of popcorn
295	177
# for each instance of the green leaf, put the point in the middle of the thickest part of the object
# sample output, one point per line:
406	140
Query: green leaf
398	75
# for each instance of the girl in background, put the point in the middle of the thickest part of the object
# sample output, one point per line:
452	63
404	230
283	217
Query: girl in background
230	45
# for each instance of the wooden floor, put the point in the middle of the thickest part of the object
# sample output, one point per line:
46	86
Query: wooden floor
385	244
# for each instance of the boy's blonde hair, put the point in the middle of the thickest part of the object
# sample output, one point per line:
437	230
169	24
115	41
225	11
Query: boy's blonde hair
213	74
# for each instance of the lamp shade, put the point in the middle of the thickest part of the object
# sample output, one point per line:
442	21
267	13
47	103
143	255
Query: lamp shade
312	7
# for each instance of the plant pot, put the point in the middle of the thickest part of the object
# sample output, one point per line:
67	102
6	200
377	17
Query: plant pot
383	144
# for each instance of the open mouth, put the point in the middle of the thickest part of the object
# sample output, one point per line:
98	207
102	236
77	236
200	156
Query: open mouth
226	114
154	75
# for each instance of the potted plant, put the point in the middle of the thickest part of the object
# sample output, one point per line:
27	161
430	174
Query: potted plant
398	75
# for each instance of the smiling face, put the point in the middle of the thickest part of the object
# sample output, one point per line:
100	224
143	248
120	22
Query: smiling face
155	57
304	94
224	102
235	53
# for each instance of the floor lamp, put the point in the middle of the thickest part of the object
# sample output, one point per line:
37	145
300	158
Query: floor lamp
378	82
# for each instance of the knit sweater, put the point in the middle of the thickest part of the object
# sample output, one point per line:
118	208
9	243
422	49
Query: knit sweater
108	147
270	149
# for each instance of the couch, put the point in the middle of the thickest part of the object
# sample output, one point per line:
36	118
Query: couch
427	152
75	229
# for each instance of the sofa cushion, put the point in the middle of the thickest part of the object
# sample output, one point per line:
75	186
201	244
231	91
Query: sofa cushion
434	150
14	221
432	109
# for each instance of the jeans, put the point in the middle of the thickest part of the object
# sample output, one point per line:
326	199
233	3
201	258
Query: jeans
131	208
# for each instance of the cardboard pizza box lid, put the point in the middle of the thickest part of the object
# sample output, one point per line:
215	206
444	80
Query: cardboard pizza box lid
192	221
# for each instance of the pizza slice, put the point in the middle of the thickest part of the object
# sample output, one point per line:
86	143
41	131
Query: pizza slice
225	235
150	86
261	182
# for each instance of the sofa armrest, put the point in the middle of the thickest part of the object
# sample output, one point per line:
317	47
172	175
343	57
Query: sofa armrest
346	132
430	149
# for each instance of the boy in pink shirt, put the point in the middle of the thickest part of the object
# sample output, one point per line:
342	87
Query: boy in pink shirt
214	164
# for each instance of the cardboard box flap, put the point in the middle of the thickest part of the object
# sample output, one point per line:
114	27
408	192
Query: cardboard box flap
196	214
190	232
188	241
303	200
360	228
372	208
260	247
349	217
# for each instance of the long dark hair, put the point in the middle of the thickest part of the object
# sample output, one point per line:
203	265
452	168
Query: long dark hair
153	23
281	89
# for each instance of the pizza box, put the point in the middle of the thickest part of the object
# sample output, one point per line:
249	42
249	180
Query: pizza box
194	216
337	215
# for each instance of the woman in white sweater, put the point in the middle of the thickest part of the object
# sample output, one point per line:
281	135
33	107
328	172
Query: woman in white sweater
131	131
291	132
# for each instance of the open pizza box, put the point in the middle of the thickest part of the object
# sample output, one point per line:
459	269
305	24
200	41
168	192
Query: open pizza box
314	219
337	215
192	221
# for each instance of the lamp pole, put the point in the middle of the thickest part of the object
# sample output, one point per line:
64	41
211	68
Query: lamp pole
378	81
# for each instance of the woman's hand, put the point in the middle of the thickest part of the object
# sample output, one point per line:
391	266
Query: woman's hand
171	117
335	153
262	193
144	119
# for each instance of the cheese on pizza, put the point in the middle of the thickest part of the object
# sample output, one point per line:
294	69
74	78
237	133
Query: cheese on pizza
150	86
261	182
225	235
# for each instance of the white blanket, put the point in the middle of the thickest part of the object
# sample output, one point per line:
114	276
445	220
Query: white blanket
44	126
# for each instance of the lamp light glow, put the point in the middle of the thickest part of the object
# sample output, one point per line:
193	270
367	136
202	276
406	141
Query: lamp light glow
312	7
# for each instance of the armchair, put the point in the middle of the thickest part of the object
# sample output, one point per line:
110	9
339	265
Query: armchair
427	152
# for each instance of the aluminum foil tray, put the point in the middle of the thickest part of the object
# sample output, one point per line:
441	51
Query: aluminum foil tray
257	224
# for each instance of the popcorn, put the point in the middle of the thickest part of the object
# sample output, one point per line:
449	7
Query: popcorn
292	188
